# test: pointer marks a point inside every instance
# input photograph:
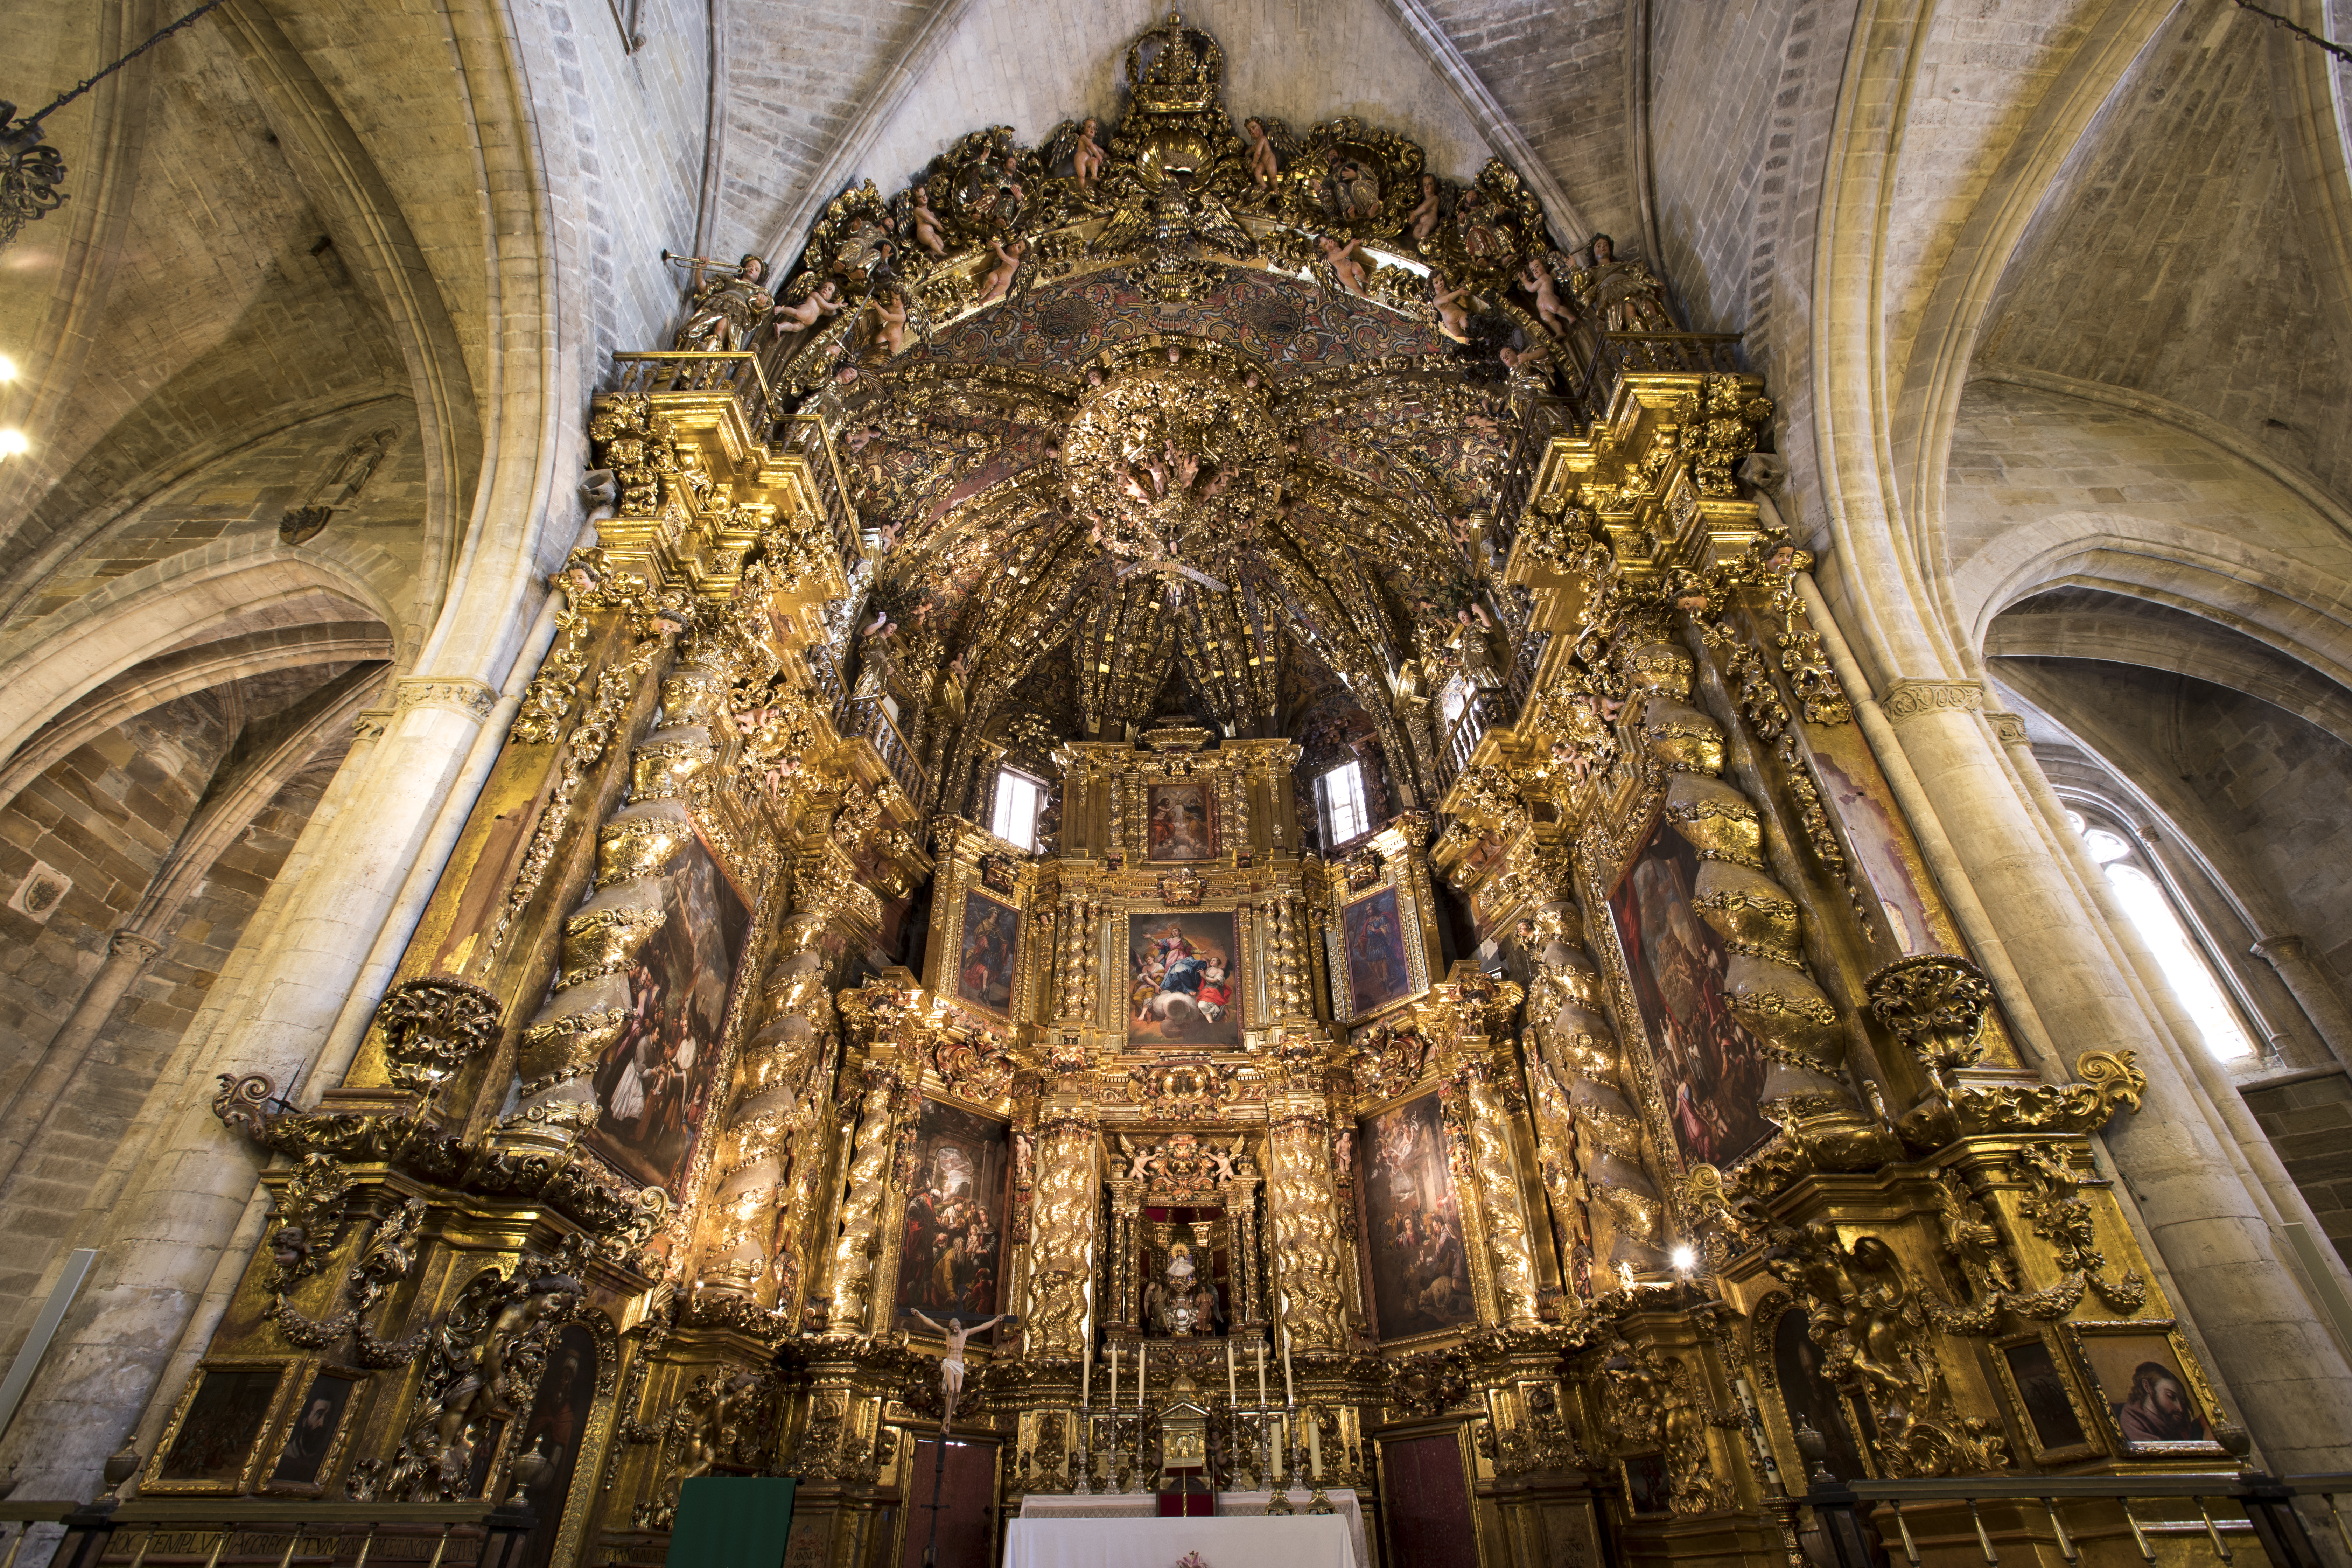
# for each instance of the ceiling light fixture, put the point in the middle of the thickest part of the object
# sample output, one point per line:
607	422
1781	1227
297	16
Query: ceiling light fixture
33	169
13	444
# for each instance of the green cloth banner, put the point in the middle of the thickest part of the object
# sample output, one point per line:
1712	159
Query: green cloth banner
731	1522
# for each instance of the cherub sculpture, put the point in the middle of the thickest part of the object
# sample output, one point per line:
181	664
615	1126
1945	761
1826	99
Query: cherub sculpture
889	308
1086	156
1422	221
821	301
1537	279
728	306
1453	320
1344	265
1264	167
992	288
924	222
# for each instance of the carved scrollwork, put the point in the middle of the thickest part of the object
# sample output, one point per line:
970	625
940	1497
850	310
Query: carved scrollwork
432	1028
1937	1006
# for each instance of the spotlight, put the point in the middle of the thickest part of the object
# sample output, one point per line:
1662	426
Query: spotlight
7	368
13	444
1685	1259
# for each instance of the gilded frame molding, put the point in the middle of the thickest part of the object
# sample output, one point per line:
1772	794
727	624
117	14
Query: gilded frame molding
362	1387
288	1374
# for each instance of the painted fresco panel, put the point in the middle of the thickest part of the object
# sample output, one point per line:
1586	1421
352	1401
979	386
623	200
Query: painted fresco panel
653	1086
1184	979
952	1253
1710	1071
1413	1222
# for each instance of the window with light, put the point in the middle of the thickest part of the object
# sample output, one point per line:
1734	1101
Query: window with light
1019	798
1340	796
2148	905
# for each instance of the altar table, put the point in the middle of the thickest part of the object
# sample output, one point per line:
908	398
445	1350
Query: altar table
1064	1506
1226	1540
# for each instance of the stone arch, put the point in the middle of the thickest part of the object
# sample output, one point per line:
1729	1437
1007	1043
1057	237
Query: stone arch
191	597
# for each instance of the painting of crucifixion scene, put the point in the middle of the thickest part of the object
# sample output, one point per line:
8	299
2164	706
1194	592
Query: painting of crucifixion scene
1184	980
950	1260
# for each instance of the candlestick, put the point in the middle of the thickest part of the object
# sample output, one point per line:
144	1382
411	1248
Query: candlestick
1289	1393
1114	1378
1232	1383
1139	1349
1261	1375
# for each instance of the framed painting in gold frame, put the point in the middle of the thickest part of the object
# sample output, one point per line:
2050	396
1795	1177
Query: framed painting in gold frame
1179	819
216	1440
2149	1391
317	1428
1184	982
2052	1412
988	953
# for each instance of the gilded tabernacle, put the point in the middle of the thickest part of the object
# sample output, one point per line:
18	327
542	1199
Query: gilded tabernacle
1207	843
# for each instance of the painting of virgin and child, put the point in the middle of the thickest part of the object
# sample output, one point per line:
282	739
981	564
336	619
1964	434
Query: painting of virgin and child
653	1086
1183	984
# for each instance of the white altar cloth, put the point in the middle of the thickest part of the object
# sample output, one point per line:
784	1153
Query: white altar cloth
1226	1540
1230	1505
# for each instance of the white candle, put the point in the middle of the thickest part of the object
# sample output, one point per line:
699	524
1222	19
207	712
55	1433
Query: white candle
1232	1382
1086	1382
1261	1375
1114	1376
1314	1446
1289	1393
1138	1374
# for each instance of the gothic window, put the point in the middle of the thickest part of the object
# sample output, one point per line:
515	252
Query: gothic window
1018	797
1339	798
2176	941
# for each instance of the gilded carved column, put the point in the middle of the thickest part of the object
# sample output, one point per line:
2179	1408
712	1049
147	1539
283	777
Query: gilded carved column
869	1179
1507	1234
1062	1235
1300	1204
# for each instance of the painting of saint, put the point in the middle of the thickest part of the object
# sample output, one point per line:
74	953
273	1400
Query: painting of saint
1177	822
653	1087
1184	980
991	943
950	1256
312	1439
1709	1068
1372	928
2147	1398
1413	1222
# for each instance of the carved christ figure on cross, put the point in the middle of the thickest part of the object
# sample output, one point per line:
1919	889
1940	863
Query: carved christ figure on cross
951	1368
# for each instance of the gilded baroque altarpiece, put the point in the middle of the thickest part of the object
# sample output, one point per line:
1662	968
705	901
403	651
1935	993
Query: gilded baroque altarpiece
1616	1126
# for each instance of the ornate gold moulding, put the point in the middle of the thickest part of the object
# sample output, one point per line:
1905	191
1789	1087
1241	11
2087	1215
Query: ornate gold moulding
1175	455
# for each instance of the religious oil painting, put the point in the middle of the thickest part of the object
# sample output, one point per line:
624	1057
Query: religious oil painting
2135	1374
992	946
555	1430
1709	1068
653	1085
1177	822
313	1441
950	1256
2054	1421
1372	931
1184	979
1413	1222
213	1444
1870	828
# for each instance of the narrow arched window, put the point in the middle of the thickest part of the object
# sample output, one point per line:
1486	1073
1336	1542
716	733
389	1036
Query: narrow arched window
2148	904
